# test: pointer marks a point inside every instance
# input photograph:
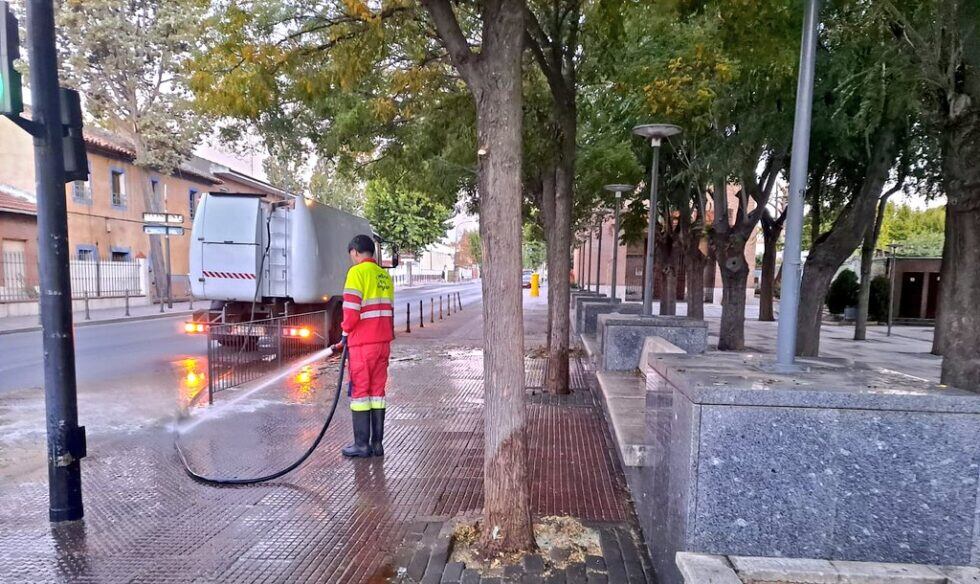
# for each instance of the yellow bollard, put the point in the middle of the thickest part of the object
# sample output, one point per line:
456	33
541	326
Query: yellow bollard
535	285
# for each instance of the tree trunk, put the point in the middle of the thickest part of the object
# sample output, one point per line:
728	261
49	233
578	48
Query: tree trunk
833	247
493	75
771	229
734	278
548	220
695	263
153	202
959	317
867	259
864	292
668	262
559	241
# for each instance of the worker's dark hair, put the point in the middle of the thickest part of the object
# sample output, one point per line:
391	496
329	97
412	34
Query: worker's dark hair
362	244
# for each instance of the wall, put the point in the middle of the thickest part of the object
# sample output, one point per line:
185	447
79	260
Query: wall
16	157
110	228
20	227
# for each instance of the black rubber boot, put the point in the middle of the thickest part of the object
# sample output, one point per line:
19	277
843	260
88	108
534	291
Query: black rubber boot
377	432
362	436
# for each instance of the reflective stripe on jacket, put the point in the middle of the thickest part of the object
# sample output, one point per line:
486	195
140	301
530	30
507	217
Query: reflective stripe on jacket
369	298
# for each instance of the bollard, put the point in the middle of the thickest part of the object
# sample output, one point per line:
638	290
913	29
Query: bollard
459	301
432	309
408	317
127	301
421	316
190	299
161	305
87	316
440	307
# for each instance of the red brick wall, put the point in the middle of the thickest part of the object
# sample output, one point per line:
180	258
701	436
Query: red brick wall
19	227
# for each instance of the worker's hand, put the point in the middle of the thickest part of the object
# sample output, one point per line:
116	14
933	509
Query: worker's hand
340	346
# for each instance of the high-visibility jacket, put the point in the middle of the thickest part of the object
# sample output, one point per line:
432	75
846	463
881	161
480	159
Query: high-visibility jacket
369	299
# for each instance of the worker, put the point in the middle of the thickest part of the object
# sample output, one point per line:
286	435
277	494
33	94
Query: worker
368	329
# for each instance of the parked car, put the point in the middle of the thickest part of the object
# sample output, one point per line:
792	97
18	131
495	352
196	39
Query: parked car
526	278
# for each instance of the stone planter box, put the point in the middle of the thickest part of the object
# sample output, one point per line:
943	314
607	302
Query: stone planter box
621	337
840	462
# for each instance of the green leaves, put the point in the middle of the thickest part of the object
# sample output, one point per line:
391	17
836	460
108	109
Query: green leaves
410	219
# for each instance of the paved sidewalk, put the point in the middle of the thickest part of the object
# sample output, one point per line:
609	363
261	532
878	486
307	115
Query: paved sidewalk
20	324
333	520
907	350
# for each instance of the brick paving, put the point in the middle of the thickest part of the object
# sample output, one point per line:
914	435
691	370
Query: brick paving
333	520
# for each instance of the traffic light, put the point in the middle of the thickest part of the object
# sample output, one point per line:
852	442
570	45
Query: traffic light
11	102
73	143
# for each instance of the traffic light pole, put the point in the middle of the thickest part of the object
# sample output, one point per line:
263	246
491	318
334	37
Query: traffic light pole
66	441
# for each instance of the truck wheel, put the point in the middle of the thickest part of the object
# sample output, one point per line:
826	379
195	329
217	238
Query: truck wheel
334	316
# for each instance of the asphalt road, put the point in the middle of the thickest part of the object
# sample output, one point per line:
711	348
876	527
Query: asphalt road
110	352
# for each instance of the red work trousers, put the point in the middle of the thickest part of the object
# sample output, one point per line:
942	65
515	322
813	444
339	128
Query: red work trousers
368	367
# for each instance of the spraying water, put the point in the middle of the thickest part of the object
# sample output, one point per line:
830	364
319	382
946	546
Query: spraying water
247	391
251	391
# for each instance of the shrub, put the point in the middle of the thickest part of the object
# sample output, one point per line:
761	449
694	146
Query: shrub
878	302
843	292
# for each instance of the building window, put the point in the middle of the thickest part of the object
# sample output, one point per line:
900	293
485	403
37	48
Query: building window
192	197
117	186
81	192
87	253
121	254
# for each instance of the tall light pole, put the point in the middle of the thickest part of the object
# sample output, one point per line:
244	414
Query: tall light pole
588	266
893	248
789	300
655	133
598	254
618	190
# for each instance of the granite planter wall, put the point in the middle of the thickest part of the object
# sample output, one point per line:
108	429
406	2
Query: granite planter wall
841	462
621	337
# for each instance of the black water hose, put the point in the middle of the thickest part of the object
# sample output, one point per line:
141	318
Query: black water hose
251	481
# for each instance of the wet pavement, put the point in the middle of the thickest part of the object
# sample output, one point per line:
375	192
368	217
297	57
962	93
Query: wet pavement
333	520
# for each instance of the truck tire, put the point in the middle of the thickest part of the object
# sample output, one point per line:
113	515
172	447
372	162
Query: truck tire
334	316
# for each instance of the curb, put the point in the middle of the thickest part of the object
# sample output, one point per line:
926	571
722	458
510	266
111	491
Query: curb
118	320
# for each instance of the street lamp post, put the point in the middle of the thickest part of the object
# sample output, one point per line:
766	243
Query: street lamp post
893	248
588	266
789	299
655	133
598	254
618	190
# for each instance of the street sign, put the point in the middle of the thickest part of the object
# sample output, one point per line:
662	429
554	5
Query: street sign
154	217
172	218
162	230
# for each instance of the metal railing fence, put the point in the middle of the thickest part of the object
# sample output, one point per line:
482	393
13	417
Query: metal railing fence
245	351
93	278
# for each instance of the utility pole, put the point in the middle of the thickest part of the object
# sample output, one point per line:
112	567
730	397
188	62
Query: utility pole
66	440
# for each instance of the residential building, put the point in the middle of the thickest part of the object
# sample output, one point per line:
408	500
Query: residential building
105	213
18	245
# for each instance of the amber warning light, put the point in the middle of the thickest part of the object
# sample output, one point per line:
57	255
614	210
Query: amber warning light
194	327
303	333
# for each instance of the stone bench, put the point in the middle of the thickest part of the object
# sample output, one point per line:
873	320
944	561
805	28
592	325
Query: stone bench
624	402
588	317
838	461
621	337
